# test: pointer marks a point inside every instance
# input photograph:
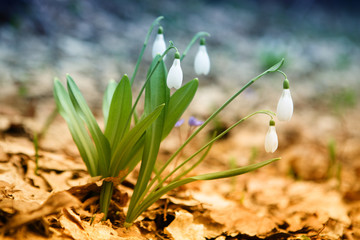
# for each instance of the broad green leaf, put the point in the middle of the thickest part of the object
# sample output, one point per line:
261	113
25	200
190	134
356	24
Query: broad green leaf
178	103
77	129
156	90
129	141
153	197
109	92
101	143
134	156
156	93
120	109
276	67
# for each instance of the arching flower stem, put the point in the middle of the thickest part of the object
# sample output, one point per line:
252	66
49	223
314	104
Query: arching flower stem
171	46
192	42
155	22
248	84
266	112
282	73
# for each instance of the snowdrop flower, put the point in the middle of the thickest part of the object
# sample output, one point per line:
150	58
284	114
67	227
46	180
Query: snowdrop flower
202	61
285	105
271	139
159	45
175	75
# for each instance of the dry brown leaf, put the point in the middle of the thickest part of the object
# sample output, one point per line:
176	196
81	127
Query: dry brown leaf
25	191
184	228
13	206
300	205
131	233
37	180
81	230
59	162
53	204
16	145
234	217
57	182
83	190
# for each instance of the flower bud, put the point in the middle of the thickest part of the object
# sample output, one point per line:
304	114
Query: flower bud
271	139
159	45
175	75
202	60
285	105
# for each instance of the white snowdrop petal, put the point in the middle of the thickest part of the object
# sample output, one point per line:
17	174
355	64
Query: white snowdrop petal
271	140
175	75
202	61
285	106
159	45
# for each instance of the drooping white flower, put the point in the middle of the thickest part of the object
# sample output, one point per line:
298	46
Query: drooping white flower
175	75
159	45
285	105
202	60
271	139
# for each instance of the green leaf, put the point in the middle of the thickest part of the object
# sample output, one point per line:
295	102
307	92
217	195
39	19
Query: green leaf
125	146
77	129
120	109
156	90
101	143
156	93
276	66
178	103
134	156
153	197
109	92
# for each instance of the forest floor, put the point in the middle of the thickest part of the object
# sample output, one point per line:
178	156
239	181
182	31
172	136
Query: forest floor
313	192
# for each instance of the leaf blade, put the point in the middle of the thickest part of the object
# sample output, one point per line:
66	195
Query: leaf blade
120	109
101	143
76	127
156	93
178	103
109	92
153	197
130	139
276	66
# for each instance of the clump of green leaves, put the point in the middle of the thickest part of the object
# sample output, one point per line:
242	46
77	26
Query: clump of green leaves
130	139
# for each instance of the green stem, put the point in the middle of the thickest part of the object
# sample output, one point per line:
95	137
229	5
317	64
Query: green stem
136	210
193	166
156	21
36	148
49	120
282	73
153	197
105	197
206	122
193	40
148	77
269	113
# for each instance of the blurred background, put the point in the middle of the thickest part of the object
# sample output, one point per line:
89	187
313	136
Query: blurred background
95	41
